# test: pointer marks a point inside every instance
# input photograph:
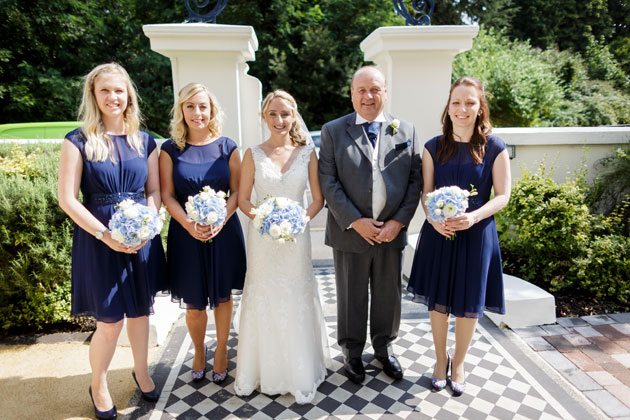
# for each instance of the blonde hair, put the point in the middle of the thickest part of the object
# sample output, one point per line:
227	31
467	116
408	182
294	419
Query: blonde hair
178	127
297	135
98	145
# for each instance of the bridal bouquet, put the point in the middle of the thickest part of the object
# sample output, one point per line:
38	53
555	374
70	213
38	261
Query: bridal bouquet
133	223
447	202
280	219
207	207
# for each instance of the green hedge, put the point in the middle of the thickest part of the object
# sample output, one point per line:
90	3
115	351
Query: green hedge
550	238
35	240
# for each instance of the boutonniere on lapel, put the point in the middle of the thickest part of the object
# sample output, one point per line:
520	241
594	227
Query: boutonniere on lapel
394	125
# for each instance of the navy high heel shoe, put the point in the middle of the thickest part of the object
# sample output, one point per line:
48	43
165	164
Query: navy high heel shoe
103	415
440	384
151	396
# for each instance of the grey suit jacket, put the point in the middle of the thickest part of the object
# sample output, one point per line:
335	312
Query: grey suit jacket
345	174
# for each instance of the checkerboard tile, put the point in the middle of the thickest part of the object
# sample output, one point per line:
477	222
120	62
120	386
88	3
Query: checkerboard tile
496	388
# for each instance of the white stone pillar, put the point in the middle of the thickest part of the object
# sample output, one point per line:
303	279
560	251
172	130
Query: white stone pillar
216	56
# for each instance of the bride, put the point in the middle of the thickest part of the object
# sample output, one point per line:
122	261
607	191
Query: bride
282	343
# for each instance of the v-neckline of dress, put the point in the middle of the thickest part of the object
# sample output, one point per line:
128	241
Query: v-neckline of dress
278	168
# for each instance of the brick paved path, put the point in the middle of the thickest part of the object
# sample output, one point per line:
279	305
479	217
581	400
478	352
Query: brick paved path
593	354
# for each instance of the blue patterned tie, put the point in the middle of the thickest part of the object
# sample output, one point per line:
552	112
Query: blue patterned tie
372	129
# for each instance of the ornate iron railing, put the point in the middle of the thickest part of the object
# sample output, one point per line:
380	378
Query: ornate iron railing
196	14
420	13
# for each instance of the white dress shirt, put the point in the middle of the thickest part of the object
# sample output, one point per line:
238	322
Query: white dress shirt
379	192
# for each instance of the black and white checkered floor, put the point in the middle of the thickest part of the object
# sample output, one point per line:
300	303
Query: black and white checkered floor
499	387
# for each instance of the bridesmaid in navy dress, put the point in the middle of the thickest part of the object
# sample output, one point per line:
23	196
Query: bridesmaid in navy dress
109	159
204	264
462	276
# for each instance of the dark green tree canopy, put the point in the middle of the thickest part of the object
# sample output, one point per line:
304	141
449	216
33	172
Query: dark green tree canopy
309	48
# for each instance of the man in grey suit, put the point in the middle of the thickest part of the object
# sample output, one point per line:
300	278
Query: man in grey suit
371	177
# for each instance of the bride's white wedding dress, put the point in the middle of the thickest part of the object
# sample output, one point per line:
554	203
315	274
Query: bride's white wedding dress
282	341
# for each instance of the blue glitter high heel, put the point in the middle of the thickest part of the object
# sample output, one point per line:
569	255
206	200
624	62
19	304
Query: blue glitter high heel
440	384
103	415
198	375
458	387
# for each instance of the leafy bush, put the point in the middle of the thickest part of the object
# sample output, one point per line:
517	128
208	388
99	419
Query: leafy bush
35	244
550	238
523	88
530	87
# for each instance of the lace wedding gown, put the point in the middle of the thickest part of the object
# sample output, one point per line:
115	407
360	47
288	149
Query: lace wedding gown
282	342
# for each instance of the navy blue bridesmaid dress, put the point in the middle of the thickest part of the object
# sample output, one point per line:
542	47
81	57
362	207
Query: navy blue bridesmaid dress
203	273
107	284
462	276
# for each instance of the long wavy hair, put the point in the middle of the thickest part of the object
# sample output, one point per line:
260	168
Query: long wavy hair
98	145
297	135
483	128
178	126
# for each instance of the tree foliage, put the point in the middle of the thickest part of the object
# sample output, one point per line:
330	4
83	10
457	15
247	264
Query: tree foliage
309	48
531	87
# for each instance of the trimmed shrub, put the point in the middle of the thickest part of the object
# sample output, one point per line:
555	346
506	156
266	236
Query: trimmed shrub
35	241
550	238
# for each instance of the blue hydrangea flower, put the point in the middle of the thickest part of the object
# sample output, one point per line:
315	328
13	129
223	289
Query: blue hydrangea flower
207	207
447	202
280	219
133	223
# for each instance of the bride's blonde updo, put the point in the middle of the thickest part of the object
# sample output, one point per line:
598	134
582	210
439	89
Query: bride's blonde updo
297	135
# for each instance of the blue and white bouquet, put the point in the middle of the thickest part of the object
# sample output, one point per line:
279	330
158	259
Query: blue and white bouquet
447	202
208	207
133	223
280	219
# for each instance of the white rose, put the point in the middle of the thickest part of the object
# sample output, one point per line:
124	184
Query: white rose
144	233
265	209
194	215
274	231
437	212
450	210
125	204
221	194
131	212
282	202
286	228
117	235
204	196
212	217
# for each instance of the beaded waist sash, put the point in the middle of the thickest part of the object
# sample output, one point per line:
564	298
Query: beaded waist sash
113	198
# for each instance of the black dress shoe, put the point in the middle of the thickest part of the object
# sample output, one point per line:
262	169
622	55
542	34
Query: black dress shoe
354	369
151	396
103	415
391	367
